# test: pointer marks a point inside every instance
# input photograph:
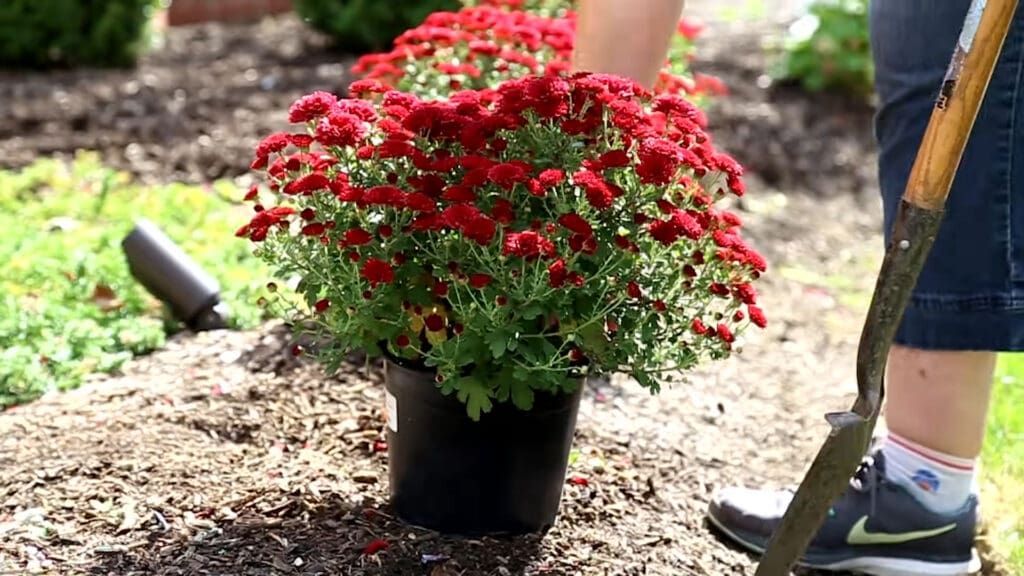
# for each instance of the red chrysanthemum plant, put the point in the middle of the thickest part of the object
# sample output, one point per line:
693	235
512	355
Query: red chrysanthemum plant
480	47
512	240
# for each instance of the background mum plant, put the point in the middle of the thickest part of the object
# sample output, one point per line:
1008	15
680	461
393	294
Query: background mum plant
513	240
482	46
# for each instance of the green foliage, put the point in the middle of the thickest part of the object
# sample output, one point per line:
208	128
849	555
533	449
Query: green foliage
68	304
362	25
829	48
1003	464
44	33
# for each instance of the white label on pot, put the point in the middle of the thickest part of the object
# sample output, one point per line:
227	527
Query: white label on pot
392	405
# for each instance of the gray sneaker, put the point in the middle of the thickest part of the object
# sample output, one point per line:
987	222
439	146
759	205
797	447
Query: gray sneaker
876	527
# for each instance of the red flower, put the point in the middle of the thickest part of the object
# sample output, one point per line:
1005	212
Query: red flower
340	129
597	190
698	326
529	245
502	211
375	546
392	148
385	231
633	290
551	177
300	140
757	316
384	196
261	223
314	229
459	215
659	160
725	334
311	107
377	272
575	223
480	280
557	273
307	184
746	294
719	289
507	175
459	193
419	202
434	323
480	229
254	191
441	289
322	305
659	305
548	96
614	159
709	84
670	230
402	341
367	87
689	28
273	143
356	237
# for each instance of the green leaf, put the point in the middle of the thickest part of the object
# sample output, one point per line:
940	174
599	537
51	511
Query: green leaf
593	338
475	395
522	395
531	311
498	341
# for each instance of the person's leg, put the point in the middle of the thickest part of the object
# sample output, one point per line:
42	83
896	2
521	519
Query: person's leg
909	510
935	414
939	399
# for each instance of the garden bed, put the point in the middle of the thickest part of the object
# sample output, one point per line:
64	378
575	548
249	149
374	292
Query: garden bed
223	454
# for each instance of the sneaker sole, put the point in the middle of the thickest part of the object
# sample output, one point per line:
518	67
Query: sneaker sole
873	566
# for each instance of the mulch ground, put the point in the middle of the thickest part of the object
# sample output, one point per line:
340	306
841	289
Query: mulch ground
223	455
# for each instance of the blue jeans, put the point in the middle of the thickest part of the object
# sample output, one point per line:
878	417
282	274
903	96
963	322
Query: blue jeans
970	295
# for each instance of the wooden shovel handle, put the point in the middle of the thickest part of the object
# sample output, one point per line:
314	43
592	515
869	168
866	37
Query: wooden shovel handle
959	101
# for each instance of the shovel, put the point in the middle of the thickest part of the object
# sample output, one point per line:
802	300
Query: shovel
914	230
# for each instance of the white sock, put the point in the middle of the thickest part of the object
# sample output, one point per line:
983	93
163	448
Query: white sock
942	483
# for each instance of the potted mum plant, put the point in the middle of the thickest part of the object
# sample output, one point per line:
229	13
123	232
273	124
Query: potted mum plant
496	248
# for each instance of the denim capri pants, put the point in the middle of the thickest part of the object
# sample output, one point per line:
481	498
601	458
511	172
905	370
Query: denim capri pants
970	295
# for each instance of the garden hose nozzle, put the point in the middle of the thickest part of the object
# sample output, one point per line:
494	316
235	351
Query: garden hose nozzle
169	274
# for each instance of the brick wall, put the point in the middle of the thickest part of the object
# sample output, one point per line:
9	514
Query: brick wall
194	11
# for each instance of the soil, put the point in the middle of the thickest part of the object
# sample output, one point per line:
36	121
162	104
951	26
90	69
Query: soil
224	455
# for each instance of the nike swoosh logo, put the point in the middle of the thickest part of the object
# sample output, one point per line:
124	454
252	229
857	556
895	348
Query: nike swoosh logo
859	534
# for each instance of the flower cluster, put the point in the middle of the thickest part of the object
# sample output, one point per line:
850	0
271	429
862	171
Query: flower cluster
482	46
512	239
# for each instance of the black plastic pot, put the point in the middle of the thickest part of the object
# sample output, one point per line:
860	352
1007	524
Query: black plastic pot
500	475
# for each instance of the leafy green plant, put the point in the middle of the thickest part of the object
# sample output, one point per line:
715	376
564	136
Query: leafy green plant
512	239
1002	469
68	304
361	25
44	33
829	48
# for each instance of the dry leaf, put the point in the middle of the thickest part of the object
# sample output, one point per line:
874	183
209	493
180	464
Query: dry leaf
105	298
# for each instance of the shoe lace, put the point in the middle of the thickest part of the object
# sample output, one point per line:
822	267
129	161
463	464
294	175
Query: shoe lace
866	479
